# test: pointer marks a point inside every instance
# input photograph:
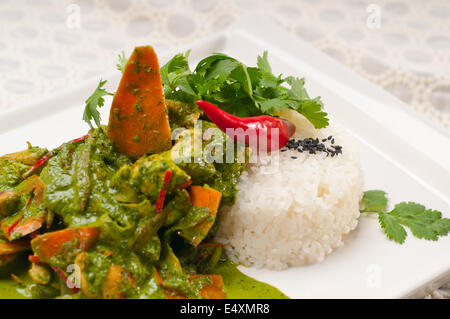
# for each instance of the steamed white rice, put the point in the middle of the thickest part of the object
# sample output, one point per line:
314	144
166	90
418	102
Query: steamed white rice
298	212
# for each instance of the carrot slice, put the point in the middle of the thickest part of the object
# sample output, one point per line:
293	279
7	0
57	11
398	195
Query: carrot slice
68	241
204	197
111	288
27	226
138	121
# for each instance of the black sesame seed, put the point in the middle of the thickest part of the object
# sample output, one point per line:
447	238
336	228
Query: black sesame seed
314	146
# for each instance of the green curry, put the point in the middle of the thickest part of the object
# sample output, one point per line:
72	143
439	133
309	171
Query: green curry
91	223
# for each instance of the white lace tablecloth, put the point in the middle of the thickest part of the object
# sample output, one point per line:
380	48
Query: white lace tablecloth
401	45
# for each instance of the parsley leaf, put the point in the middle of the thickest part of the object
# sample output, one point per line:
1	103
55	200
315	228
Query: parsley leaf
122	62
93	102
423	223
239	89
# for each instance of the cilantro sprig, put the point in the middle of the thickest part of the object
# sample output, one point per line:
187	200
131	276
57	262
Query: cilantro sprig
94	102
239	89
423	223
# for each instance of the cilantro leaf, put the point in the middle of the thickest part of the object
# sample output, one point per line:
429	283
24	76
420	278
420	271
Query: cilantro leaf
374	201
239	89
424	223
392	228
312	110
93	102
122	62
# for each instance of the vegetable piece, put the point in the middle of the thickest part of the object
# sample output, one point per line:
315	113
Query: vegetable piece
423	223
43	291
238	89
147	176
202	197
66	243
80	261
138	122
112	287
30	218
93	102
9	202
26	226
11	173
182	114
28	156
251	128
39	274
162	193
214	289
49	155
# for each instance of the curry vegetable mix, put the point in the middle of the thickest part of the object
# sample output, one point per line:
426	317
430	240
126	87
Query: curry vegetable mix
116	206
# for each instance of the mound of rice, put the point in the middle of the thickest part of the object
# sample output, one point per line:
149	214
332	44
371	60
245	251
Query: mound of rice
298	211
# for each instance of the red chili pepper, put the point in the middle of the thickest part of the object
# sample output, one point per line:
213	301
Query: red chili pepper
49	155
162	193
34	259
251	126
63	276
15	224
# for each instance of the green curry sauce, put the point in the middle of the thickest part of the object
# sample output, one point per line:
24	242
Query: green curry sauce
102	207
237	285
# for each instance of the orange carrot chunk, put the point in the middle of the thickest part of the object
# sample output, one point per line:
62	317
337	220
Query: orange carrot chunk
138	121
203	197
69	242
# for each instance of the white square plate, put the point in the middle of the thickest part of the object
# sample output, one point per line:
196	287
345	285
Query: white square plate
400	153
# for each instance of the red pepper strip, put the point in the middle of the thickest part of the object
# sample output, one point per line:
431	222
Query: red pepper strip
63	276
251	126
162	193
81	139
38	164
15	224
46	157
34	259
30	200
158	277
